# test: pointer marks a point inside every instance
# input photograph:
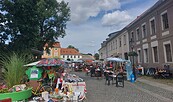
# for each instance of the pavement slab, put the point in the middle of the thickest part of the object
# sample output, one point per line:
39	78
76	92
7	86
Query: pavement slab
97	91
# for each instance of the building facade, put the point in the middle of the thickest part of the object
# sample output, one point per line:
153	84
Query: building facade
116	45
102	51
150	35
63	53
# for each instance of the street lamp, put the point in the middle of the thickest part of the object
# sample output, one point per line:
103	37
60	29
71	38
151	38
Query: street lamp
133	54
133	64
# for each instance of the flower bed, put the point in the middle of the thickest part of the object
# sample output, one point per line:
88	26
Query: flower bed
16	96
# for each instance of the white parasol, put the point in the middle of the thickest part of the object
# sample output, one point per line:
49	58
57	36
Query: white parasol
113	59
32	64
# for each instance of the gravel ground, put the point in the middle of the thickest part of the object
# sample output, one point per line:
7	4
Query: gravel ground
97	91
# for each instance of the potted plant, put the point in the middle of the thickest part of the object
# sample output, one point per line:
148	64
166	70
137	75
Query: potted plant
13	74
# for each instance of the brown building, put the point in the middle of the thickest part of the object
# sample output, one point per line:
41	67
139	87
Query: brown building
151	36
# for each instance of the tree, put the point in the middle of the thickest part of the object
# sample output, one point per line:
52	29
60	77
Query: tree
72	47
89	54
96	56
32	23
132	53
3	36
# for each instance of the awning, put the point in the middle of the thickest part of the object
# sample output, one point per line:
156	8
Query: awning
32	64
50	62
113	59
47	62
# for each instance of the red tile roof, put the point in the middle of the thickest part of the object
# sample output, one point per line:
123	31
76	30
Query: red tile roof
69	51
56	45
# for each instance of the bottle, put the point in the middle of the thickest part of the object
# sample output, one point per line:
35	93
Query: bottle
56	91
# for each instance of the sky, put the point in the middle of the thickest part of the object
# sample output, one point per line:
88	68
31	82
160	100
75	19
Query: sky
93	20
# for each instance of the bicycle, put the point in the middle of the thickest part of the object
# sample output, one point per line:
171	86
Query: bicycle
41	88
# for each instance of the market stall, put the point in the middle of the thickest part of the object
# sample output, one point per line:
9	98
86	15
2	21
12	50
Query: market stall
73	89
78	86
127	65
44	74
68	86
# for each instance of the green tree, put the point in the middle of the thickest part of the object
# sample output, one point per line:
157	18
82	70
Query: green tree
3	36
96	56
32	23
132	53
70	46
89	54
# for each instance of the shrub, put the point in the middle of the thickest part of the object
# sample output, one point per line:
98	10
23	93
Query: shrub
13	68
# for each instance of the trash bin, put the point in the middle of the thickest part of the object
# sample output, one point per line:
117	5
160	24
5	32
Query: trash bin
132	78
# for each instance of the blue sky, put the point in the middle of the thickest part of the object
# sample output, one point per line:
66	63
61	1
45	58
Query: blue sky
92	21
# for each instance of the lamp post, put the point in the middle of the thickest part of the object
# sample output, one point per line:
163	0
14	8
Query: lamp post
133	64
133	55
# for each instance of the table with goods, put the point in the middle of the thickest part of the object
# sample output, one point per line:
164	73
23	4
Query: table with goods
73	88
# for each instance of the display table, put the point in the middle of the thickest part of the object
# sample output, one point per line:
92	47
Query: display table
17	96
79	90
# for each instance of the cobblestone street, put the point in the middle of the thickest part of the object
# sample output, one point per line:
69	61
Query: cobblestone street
97	91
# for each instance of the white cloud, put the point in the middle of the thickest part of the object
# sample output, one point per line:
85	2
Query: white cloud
116	18
82	10
87	36
109	4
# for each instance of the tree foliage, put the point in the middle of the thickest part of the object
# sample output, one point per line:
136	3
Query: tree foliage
32	23
132	53
96	56
70	46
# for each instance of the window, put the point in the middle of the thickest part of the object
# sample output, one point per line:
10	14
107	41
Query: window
168	52
155	54
139	56
55	53
120	41
152	27
137	34
144	33
78	56
116	44
126	56
49	52
165	24
146	55
111	46
132	37
124	39
74	56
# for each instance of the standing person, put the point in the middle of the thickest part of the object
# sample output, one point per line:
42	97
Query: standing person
59	83
73	65
92	70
